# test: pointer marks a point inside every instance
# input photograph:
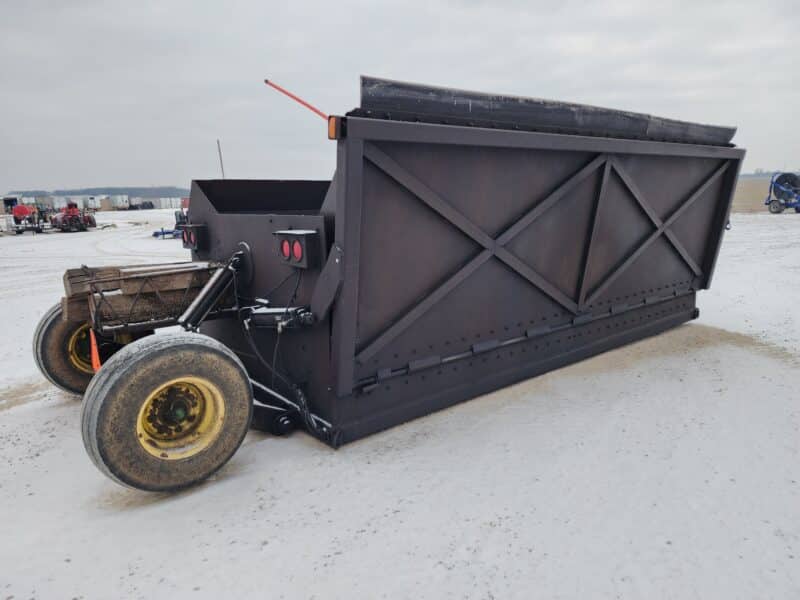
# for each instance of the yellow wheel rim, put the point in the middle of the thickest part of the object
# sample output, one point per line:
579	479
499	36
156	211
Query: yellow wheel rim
180	418
79	350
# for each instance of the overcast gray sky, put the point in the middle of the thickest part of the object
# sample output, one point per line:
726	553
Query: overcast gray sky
136	93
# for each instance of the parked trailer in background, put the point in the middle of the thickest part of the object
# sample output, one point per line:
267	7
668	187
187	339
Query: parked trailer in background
465	242
6	223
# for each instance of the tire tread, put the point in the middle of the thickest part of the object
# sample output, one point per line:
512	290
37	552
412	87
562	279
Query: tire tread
118	367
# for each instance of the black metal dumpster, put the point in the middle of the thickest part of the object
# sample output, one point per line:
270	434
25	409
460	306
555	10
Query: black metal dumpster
472	258
458	250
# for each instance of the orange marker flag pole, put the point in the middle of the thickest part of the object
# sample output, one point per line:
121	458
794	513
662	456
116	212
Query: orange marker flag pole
95	353
296	98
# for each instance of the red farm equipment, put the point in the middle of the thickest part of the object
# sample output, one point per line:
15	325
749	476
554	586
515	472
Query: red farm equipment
27	218
71	218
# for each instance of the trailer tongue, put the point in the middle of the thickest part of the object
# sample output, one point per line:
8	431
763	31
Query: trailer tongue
466	242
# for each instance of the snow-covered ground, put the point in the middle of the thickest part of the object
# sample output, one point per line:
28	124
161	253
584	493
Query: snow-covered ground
665	469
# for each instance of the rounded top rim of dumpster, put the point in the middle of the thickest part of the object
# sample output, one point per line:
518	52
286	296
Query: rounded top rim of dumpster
412	102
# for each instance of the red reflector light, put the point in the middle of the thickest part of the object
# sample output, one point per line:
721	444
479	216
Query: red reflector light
297	250
286	250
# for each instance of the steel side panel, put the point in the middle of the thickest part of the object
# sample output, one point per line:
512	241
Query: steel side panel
433	280
434	266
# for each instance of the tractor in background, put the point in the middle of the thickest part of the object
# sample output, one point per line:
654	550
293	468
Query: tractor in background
784	192
72	218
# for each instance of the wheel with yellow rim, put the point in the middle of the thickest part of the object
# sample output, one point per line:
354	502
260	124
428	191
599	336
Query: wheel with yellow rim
166	411
62	351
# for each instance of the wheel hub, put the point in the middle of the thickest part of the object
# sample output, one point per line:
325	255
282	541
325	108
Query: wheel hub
180	418
174	410
79	350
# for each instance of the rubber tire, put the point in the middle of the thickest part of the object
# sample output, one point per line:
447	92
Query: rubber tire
775	207
50	352
112	402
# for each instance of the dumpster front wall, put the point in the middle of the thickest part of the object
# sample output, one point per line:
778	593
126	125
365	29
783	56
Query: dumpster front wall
235	217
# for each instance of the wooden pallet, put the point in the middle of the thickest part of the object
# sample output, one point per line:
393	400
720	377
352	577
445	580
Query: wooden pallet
119	295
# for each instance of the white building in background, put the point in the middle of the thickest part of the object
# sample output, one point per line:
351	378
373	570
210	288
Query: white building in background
119	201
174	203
60	202
93	202
82	201
114	202
98	202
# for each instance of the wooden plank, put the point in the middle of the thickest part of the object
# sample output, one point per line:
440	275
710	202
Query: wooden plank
149	281
78	281
75	308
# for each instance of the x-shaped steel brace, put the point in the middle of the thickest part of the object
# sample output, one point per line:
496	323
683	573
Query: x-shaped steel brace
496	246
661	227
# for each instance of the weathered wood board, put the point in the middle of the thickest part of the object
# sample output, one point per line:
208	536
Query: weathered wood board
119	295
81	280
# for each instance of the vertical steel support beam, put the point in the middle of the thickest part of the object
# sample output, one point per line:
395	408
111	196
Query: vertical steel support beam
721	218
350	161
593	230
